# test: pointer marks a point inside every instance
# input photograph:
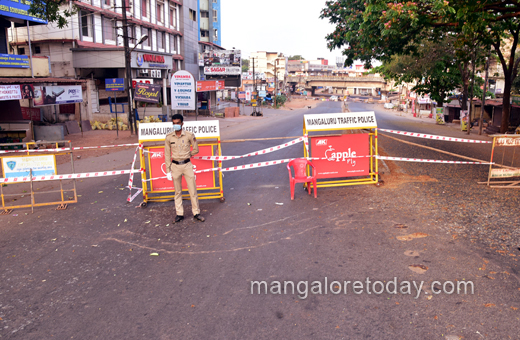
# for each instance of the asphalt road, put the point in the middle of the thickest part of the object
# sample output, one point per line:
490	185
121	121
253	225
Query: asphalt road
86	272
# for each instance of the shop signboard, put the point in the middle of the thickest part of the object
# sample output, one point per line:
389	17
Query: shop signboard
210	85
183	95
19	10
114	84
464	117
14	60
439	115
55	95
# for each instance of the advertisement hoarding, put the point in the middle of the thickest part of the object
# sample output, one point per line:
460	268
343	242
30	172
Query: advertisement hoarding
158	169
346	155
183	91
55	95
141	81
147	93
10	92
226	62
210	85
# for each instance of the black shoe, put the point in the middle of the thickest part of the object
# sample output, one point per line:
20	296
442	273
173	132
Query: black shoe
178	218
198	218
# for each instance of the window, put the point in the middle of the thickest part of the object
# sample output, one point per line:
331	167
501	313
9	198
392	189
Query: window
86	23
173	17
37	50
204	34
127	4
144	7
131	34
106	3
173	44
108	29
215	16
21	50
193	15
204	14
160	40
215	34
159	12
146	31
215	1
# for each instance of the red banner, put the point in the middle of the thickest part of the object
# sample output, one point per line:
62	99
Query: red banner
158	169
210	85
346	155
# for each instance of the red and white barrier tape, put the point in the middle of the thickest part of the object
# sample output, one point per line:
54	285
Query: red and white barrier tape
69	149
306	142
256	153
67	176
435	137
404	159
139	190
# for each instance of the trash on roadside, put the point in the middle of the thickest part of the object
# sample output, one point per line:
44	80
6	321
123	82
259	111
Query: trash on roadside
278	203
248	203
259	209
154	254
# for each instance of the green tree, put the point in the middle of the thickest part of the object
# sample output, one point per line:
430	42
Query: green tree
51	11
296	57
245	65
376	29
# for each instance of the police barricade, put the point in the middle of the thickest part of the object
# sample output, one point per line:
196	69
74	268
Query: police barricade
156	187
508	145
348	157
28	168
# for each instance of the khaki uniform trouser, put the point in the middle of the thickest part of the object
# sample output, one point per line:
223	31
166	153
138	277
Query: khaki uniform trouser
185	170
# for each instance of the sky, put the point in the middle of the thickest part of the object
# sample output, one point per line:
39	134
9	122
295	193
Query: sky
288	26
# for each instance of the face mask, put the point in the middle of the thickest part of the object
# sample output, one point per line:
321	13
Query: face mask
177	127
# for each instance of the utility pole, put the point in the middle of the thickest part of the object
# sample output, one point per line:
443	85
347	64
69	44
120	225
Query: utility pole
254	87
131	121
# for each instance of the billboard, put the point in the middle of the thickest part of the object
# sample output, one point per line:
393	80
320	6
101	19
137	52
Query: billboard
147	93
226	62
210	85
183	91
55	95
19	10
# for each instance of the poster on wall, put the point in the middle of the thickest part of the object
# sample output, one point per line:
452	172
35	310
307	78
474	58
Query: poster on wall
27	91
183	91
464	118
10	92
55	95
341	156
439	115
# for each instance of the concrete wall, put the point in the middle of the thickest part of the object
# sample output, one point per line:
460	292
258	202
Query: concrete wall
190	42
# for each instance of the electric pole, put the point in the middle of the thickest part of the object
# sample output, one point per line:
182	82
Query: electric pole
131	122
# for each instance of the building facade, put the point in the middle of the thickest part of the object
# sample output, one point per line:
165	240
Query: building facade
209	21
91	46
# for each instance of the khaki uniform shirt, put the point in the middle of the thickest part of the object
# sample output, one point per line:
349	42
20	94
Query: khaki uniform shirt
178	148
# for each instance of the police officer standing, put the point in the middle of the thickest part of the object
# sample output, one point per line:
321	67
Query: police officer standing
177	154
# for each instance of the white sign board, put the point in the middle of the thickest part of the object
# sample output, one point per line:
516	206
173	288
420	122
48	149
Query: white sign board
158	131
56	95
183	91
19	166
10	92
340	121
222	70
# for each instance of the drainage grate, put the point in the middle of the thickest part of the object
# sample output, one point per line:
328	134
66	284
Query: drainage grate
6	211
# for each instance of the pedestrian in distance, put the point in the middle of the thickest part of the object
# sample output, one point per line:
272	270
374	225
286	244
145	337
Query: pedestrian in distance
177	157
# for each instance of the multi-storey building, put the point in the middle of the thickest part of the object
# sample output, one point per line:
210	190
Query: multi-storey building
163	38
209	21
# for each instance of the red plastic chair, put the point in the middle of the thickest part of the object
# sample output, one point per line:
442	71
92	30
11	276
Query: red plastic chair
300	175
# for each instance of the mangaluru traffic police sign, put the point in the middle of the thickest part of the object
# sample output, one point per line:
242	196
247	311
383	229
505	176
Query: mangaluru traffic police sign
347	155
154	132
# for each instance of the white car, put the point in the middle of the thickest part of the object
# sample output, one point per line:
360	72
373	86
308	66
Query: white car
333	98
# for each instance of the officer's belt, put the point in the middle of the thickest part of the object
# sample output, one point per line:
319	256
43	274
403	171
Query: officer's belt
181	162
